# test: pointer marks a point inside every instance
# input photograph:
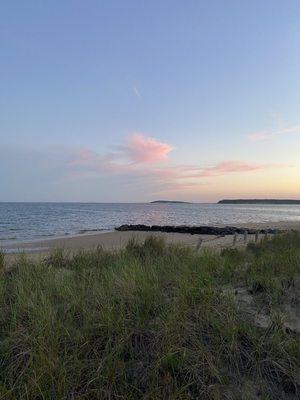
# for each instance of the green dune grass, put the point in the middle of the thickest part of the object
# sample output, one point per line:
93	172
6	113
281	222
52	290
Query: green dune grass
152	322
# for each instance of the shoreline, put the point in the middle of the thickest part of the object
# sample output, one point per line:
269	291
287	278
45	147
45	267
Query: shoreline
279	225
115	240
16	242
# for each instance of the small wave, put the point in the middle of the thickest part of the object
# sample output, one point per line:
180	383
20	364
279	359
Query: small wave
8	238
90	230
25	249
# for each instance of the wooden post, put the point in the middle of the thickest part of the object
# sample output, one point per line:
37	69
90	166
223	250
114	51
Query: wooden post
245	236
256	237
199	243
235	238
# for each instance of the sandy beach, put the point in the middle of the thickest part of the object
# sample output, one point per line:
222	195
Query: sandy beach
115	240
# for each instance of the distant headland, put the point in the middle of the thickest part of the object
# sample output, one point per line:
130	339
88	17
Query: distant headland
258	201
170	201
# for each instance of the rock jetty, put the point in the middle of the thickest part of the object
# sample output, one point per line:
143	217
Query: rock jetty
196	230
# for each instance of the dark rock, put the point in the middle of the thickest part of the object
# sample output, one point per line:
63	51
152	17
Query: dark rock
196	230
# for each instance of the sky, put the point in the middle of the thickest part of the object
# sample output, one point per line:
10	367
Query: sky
133	101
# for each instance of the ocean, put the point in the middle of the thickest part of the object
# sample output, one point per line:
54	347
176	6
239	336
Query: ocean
29	221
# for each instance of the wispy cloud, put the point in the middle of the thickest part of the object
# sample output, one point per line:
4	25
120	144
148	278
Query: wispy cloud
137	92
143	162
147	159
227	167
280	128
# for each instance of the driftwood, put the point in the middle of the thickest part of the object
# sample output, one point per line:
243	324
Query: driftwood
197	230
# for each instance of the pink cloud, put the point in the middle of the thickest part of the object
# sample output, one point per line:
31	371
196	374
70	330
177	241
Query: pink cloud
196	172
141	160
226	167
141	149
138	150
88	160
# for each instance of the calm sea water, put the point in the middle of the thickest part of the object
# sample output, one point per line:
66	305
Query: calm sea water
27	221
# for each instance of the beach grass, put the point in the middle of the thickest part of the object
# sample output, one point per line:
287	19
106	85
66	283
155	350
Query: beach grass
152	321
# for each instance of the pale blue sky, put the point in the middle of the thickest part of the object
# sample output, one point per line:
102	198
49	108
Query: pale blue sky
83	77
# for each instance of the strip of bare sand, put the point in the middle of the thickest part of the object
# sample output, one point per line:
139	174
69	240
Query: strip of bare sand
115	240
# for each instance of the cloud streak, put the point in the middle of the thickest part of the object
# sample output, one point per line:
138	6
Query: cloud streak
227	167
273	133
137	92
